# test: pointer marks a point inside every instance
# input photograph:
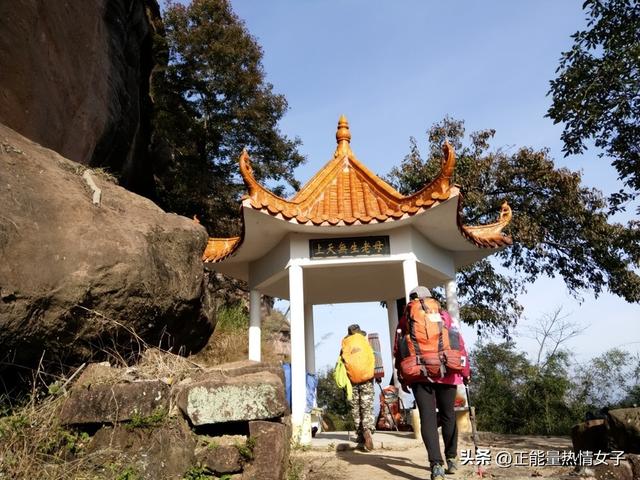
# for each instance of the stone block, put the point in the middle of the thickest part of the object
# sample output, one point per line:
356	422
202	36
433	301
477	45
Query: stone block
241	367
220	459
270	451
106	403
255	396
164	452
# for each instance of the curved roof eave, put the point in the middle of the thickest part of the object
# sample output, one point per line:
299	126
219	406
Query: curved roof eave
345	193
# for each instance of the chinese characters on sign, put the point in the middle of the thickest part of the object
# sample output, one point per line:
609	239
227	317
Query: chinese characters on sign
540	458
349	247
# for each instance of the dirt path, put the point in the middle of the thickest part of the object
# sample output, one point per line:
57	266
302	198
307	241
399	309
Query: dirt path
411	463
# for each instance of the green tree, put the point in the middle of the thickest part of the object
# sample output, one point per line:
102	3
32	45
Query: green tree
559	227
211	101
334	402
610	380
512	395
498	372
597	91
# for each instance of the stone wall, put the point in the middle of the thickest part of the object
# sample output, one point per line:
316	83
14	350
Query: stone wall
226	420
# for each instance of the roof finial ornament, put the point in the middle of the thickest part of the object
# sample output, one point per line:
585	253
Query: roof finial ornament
343	137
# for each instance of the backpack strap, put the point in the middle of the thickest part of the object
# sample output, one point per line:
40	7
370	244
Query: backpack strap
412	333
440	338
443	369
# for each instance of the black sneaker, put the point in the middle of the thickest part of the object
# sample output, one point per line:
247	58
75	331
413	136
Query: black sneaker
452	466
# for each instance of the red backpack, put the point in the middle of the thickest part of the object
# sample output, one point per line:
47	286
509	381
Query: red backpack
392	414
429	346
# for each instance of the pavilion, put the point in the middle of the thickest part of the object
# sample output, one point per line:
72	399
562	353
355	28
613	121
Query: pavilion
348	236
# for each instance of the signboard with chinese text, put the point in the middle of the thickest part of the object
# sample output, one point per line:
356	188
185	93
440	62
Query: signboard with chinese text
349	247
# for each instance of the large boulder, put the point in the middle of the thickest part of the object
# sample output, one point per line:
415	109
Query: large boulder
624	429
75	78
77	276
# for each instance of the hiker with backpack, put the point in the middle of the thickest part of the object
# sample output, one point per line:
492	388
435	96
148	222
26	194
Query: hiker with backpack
358	358
430	358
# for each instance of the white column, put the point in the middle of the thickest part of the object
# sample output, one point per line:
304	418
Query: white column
410	274
310	350
450	288
254	325
298	370
392	315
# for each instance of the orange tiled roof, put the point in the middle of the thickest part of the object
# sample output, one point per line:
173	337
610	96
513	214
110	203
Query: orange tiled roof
345	192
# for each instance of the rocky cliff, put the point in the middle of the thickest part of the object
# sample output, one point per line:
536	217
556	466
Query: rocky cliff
85	263
75	78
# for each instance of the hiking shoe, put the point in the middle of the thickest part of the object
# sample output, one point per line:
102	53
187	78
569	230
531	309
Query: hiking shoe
452	466
437	472
368	440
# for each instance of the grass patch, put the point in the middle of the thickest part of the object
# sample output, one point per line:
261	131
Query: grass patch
129	473
246	450
65	441
197	473
232	318
33	444
147	421
230	340
296	469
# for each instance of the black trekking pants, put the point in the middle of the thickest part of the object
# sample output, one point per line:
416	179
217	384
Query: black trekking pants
427	396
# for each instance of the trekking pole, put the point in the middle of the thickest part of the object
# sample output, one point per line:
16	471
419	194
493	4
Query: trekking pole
474	431
384	400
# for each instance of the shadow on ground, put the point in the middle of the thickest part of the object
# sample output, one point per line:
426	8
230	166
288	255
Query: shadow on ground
386	463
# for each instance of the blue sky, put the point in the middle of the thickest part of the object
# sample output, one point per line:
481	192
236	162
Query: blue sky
394	68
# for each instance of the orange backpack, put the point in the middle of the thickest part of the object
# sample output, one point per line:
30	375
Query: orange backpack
358	358
428	348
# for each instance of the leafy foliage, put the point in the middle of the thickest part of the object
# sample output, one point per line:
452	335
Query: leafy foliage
597	91
211	101
559	227
334	402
